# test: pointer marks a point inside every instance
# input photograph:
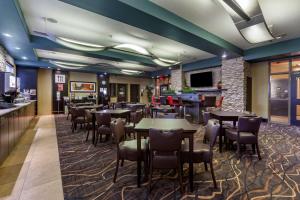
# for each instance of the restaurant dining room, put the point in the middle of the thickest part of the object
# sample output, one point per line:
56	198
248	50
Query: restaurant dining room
149	99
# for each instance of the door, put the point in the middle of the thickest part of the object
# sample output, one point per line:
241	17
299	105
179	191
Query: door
122	93
295	99
134	93
249	94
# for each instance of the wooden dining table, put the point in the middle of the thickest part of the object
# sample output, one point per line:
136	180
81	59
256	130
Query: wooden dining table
90	107
161	108
143	127
116	113
231	116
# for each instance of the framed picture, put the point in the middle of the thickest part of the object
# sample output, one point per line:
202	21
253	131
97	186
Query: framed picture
79	86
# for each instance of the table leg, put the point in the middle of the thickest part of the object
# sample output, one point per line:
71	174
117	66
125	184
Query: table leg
191	166
138	159
94	127
220	136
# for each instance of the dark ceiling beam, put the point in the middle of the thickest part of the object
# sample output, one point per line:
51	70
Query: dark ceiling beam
147	16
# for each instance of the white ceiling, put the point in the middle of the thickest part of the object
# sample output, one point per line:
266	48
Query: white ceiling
210	15
76	23
52	55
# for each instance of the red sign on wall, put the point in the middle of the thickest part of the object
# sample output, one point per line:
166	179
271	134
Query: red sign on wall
60	87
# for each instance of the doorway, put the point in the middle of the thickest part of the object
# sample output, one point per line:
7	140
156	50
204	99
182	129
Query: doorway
122	92
134	93
249	94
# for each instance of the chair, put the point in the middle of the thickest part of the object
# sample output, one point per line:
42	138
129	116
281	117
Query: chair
103	122
170	100
89	122
135	117
77	117
154	101
69	110
203	152
127	150
118	105
165	151
246	133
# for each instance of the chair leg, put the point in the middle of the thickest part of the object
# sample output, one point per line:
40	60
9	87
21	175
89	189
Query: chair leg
122	163
253	148
68	116
205	165
117	167
258	152
150	176
213	173
180	178
238	150
87	135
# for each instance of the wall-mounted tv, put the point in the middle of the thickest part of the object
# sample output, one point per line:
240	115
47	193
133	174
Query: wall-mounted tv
204	79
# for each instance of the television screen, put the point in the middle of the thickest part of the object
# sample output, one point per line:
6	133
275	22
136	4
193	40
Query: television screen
203	79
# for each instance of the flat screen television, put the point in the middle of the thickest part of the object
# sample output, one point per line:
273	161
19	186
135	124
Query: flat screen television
203	79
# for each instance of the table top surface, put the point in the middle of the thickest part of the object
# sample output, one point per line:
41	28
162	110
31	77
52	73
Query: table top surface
163	107
116	111
165	124
90	106
229	114
135	104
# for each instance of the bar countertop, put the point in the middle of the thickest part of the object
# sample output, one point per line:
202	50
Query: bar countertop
17	106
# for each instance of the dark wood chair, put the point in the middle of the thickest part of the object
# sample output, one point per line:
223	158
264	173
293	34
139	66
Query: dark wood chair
77	117
103	123
127	150
246	133
203	152
89	123
135	118
165	151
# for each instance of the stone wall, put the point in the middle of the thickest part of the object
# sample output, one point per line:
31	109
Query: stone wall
234	73
176	79
2	59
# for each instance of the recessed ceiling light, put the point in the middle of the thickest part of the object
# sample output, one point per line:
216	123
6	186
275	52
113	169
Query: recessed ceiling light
49	67
224	55
17	48
6	34
24	58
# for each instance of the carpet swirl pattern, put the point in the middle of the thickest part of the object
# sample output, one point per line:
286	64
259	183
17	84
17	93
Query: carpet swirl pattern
87	171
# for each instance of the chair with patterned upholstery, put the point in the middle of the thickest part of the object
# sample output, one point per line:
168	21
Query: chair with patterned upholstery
103	123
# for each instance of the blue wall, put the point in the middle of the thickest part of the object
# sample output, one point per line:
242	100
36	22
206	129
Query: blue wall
28	79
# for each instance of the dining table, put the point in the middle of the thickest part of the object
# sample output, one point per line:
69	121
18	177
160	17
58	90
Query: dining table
162	108
142	130
90	107
229	116
116	113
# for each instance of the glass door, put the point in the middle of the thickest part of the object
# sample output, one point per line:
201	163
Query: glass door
279	92
295	92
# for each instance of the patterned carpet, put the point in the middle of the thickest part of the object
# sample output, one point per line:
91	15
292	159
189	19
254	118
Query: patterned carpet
87	171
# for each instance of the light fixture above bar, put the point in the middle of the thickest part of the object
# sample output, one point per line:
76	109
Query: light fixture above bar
257	33
130	72
68	65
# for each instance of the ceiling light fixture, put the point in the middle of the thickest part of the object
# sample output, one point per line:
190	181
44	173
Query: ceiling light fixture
17	48
24	58
68	65
250	20
130	72
224	55
7	35
78	45
132	48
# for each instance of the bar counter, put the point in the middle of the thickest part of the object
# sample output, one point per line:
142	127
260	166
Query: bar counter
13	123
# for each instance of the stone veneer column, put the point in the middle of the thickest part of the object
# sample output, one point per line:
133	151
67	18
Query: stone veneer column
176	79
2	59
234	79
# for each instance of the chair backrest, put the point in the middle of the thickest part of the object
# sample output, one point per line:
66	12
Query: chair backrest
170	100
206	117
168	115
165	141
209	101
103	119
213	129
136	116
88	115
77	112
249	124
118	130
219	102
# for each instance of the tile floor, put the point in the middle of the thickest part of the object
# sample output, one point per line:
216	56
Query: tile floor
32	170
